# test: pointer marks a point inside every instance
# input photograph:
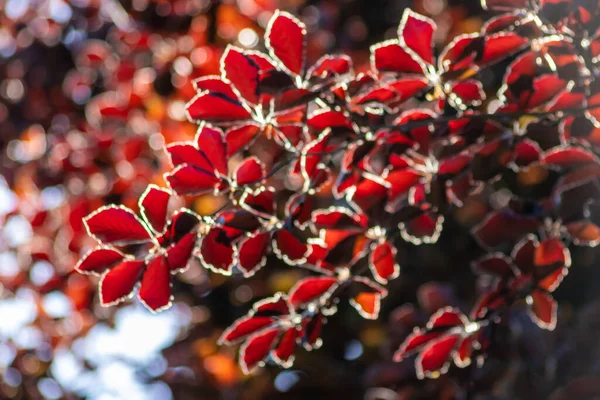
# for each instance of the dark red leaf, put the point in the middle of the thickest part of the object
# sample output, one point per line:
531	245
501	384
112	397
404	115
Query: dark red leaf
339	218
250	171
542	309
503	226
416	340
447	317
155	290
329	66
240	137
325	118
273	306
425	228
288	248
495	264
211	142
214	83
244	327
216	107
569	157
382	262
117	284
284	353
116	225
401	181
285	39
501	45
549	255
186	153
99	260
253	253
257	348
242	72
187	179
389	56
179	254
217	252
416	31
153	207
434	359
311	289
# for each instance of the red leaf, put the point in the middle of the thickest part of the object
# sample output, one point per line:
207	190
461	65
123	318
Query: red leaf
214	83
495	264
501	45
416	31
216	107
503	226
277	305
569	157
116	225
368	193
290	135
242	72
325	118
329	66
551	254
256	349
312	331
401	181
117	284
382	262
155	290
284	353
98	260
339	219
462	357
211	142
312	155
299	208
250	171
179	254
470	92
253	253
187	153
542	309
524	252
285	39
422	134
434	359
187	179
409	87
447	317
527	152
244	327
240	137
414	342
425	228
153	207
310	289
216	253
454	165
459	53
389	56
288	248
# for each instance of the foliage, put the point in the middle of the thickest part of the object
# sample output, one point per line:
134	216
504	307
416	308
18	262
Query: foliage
330	170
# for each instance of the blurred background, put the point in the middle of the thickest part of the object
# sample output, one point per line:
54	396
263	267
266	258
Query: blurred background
90	91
